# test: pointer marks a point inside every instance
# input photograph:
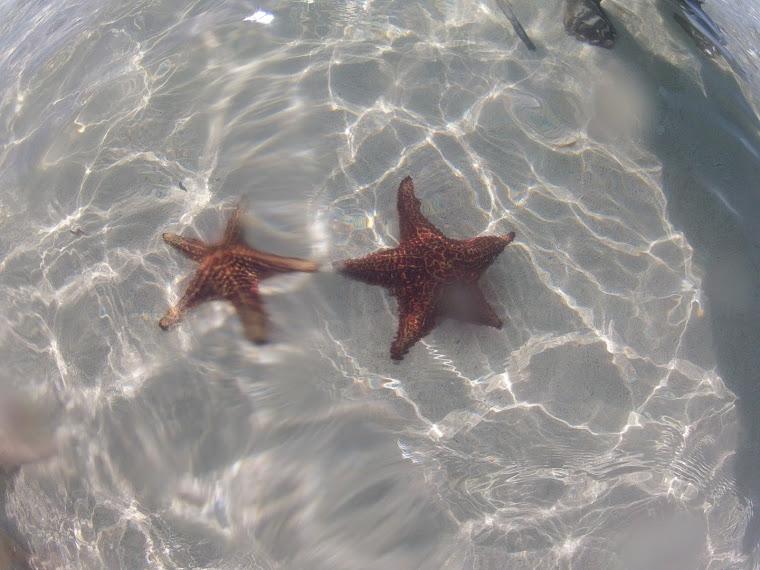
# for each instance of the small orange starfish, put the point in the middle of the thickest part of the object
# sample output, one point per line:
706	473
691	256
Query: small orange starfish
430	274
230	270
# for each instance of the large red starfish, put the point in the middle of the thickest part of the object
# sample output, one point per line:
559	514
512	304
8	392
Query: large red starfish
230	270
431	275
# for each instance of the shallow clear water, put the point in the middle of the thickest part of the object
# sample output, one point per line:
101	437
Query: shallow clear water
609	424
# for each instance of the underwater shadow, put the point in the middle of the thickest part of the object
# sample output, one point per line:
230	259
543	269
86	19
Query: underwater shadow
706	138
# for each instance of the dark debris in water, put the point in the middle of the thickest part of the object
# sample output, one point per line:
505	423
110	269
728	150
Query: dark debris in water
506	7
586	20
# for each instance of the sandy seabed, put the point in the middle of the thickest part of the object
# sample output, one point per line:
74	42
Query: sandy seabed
609	424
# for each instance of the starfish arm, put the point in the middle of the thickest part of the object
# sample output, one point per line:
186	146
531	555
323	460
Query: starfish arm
480	252
471	306
252	315
233	232
267	264
198	291
417	317
386	267
412	222
483	313
195	249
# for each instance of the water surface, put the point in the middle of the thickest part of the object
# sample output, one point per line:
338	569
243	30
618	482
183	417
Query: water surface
609	424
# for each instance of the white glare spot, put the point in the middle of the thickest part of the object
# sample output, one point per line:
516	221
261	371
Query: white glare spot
260	17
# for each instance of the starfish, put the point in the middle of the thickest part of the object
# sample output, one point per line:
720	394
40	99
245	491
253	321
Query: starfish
230	270
431	275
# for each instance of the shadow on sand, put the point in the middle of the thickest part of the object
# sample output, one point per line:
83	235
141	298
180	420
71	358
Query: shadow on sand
706	137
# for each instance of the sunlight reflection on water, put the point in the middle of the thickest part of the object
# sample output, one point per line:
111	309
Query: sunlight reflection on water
597	429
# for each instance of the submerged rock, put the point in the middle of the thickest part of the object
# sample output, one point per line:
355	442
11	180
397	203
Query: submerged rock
586	20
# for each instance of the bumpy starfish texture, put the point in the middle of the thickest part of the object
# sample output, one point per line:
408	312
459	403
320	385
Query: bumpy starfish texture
230	270
431	275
